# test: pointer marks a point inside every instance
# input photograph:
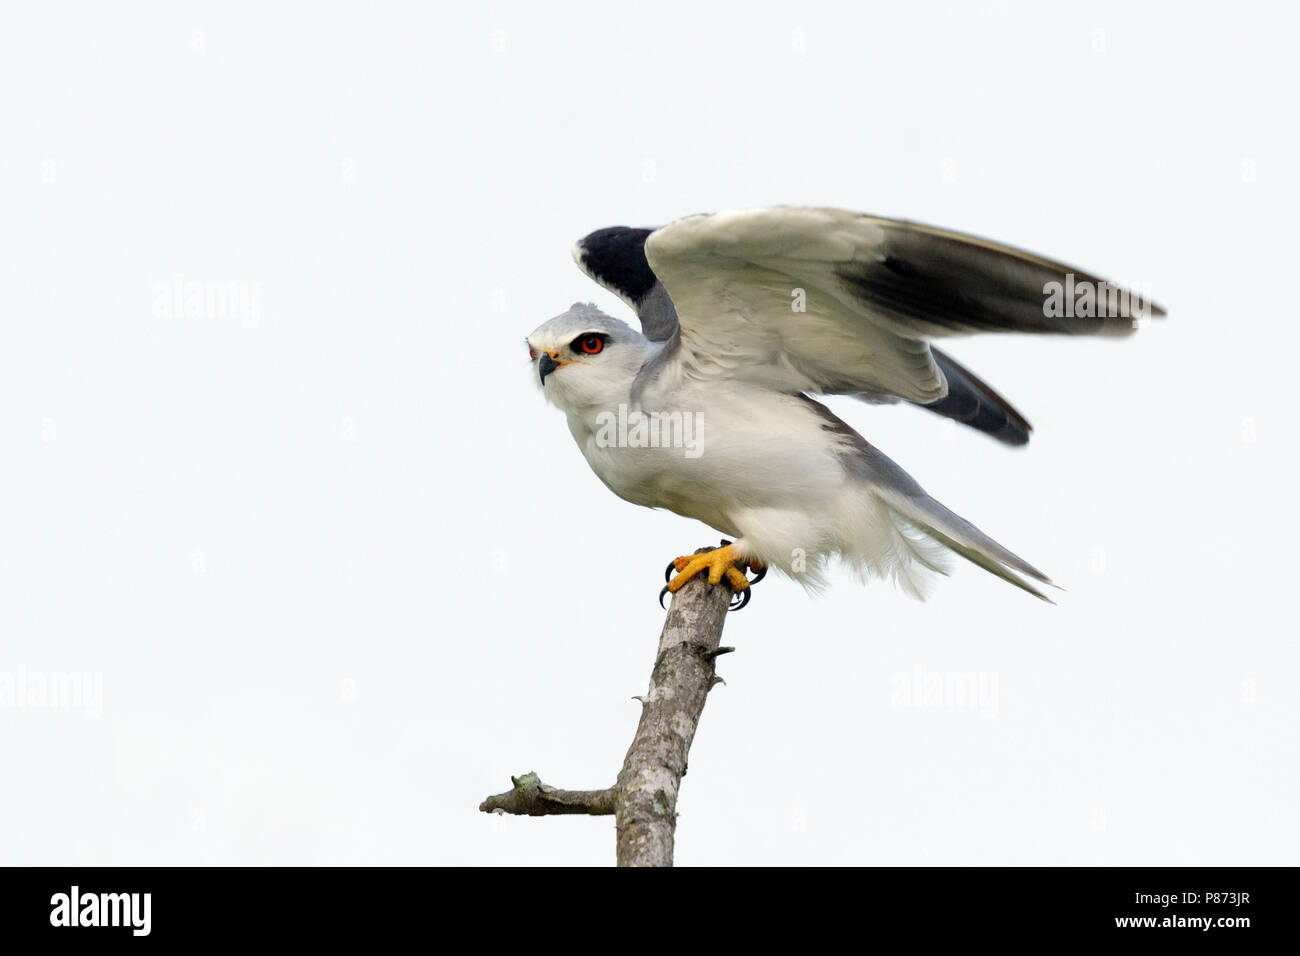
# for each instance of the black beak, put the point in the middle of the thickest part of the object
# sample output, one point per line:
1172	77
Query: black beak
545	366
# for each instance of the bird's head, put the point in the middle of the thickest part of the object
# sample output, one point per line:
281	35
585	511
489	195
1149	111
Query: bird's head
584	357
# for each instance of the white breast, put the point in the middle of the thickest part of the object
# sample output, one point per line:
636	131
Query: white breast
714	453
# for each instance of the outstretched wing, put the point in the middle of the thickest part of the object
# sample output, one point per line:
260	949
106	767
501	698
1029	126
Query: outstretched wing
874	290
824	300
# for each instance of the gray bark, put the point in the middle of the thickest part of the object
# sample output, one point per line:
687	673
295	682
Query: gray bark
644	798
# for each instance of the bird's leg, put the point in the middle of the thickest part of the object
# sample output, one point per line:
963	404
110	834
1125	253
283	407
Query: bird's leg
720	562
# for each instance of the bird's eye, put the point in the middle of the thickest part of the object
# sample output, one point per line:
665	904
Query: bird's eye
589	344
532	354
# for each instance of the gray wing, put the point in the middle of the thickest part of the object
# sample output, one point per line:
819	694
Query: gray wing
615	258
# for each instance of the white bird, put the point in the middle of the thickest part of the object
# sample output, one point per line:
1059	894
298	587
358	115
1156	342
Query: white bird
706	411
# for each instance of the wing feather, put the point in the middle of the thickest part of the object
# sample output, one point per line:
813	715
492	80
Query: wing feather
824	300
872	292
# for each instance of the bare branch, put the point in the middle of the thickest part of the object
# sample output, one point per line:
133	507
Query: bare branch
670	712
644	800
530	797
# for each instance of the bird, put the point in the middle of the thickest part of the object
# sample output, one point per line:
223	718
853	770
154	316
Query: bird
710	410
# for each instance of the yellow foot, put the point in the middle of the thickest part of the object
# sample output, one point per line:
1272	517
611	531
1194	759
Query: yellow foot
720	562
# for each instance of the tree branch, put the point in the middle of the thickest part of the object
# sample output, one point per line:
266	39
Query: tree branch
644	798
530	797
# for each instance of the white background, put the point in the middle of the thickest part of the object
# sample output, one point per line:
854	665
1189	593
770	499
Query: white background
342	571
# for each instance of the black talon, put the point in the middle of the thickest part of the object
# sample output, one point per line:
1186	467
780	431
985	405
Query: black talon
758	575
739	600
668	571
661	596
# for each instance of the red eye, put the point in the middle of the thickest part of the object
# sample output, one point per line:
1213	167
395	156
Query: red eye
532	354
591	344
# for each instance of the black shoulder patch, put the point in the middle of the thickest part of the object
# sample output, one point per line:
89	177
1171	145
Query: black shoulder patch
615	257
